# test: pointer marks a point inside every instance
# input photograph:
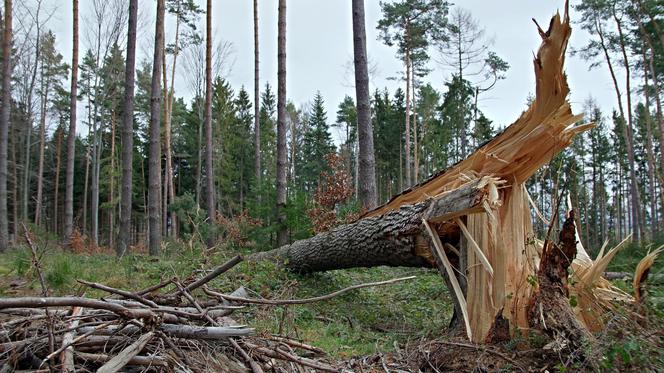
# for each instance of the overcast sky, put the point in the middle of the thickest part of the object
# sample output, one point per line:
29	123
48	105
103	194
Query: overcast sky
319	48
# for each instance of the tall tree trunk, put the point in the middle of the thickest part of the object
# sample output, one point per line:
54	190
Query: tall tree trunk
94	185
58	163
408	178
257	100
638	220
88	155
282	162
209	169
169	185
650	153
154	173
650	65
111	188
626	131
416	160
124	236
71	136
199	152
4	122
366	180
42	144
28	138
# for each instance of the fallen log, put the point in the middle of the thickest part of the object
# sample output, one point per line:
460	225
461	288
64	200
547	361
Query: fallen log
394	239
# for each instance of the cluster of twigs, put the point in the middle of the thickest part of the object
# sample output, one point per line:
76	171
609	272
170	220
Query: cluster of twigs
152	329
174	326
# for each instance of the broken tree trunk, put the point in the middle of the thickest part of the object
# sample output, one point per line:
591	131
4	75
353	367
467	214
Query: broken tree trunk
396	238
490	227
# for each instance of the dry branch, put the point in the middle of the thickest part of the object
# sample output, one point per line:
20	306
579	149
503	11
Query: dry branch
278	302
136	360
211	276
122	293
125	356
43	302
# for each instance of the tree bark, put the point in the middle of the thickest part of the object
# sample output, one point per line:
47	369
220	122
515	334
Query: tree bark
396	238
282	154
366	179
28	137
4	122
42	145
257	99
71	136
170	92
407	169
637	212
58	163
124	236
154	173
209	169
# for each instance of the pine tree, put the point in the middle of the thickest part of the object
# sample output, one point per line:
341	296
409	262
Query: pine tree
4	123
71	135
412	25
154	178
366	174
124	235
317	144
282	153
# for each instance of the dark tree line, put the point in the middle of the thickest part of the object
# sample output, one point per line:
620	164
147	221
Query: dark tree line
145	163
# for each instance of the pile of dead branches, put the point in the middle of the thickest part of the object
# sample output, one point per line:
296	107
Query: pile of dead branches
166	327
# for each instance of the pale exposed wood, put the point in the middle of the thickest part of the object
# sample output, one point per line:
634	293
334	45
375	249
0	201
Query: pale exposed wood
641	272
67	356
458	292
478	251
125	356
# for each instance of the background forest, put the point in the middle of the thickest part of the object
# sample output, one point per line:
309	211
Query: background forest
613	172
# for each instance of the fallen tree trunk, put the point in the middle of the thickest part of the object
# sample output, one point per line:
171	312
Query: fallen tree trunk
394	239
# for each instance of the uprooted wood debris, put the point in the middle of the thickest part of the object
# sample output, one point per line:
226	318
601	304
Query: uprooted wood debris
474	222
166	327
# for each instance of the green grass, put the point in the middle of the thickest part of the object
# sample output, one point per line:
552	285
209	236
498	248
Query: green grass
359	322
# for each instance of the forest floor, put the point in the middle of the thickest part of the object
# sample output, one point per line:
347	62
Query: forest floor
399	326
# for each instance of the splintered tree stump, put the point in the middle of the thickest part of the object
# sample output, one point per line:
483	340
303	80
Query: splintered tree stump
551	310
